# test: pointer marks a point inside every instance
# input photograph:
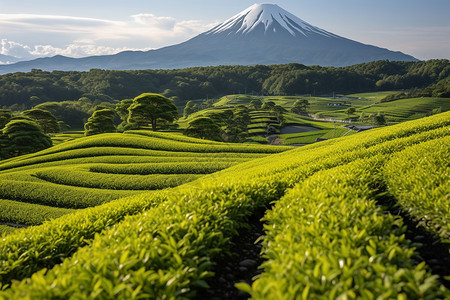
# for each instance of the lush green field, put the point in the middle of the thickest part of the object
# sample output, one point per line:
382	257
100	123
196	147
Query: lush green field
366	104
90	171
394	111
326	235
66	136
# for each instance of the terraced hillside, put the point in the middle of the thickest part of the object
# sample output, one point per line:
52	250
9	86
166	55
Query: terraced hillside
335	226
94	170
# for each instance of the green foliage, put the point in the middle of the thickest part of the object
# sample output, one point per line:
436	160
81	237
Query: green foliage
55	240
163	168
51	194
190	108
72	113
300	106
418	177
118	181
204	128
24	136
326	237
255	104
379	119
201	83
101	121
350	111
122	111
268	105
149	109
29	214
173	136
5	117
45	119
358	251
5	229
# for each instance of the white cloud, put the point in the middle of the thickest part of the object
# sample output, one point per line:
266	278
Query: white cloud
18	50
166	23
15	49
28	36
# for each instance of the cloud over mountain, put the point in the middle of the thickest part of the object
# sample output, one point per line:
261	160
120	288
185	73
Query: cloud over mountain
261	34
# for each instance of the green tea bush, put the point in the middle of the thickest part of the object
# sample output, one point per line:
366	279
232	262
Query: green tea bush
78	178
162	168
5	230
418	177
327	238
29	214
166	250
51	194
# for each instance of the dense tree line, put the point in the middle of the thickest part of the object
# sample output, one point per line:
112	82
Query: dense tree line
21	91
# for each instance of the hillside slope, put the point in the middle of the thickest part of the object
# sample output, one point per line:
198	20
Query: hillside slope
94	170
327	235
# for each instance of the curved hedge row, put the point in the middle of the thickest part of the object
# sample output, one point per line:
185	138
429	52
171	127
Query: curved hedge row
29	214
79	178
166	251
328	238
140	155
51	194
418	178
162	168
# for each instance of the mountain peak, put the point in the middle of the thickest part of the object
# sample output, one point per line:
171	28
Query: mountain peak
269	16
261	34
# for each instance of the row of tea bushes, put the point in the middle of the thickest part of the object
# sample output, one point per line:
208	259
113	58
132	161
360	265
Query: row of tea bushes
418	177
327	238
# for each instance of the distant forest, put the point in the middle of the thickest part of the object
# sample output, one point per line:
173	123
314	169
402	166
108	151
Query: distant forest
25	90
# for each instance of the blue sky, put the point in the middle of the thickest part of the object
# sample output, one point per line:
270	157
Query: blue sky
80	28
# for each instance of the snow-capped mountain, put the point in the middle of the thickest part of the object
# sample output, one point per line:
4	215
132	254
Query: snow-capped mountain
261	34
269	16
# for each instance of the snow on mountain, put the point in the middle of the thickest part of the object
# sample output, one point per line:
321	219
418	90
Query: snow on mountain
267	14
261	34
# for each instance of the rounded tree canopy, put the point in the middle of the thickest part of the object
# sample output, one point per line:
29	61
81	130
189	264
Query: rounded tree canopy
204	127
44	118
25	136
268	105
101	121
147	108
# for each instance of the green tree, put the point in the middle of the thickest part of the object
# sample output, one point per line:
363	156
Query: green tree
190	108
379	119
350	111
122	111
204	128
236	126
24	136
269	105
279	112
149	108
101	121
5	117
300	106
255	104
35	100
43	118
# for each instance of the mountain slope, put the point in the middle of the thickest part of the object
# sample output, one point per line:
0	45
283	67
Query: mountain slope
7	59
261	34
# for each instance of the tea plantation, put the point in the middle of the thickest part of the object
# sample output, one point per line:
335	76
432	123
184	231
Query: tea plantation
330	228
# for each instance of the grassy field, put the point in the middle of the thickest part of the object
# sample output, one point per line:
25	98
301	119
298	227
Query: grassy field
89	171
326	234
66	136
366	104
